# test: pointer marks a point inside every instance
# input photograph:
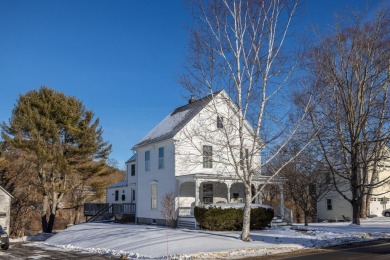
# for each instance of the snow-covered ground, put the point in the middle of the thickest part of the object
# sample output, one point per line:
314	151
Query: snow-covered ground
153	242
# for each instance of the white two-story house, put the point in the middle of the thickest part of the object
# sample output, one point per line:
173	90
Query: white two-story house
186	155
333	206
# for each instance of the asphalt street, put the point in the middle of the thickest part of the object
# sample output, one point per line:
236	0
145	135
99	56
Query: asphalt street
374	250
22	251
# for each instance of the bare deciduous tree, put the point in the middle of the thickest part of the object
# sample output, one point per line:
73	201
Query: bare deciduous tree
349	74
237	46
168	211
307	181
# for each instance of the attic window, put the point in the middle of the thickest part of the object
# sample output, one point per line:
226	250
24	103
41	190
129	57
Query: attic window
219	122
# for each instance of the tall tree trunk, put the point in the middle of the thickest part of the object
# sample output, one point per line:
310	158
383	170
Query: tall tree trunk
245	234
45	204
306	218
356	208
51	223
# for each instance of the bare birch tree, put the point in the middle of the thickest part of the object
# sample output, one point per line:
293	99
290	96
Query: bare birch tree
237	46
349	74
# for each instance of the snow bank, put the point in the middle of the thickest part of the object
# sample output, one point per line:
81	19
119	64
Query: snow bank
234	206
153	242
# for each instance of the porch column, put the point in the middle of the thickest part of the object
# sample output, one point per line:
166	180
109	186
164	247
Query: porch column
197	186
228	185
281	201
256	190
260	194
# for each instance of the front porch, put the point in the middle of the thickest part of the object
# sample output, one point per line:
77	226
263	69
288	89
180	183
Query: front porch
201	189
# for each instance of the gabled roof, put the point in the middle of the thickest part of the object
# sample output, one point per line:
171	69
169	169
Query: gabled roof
175	121
6	192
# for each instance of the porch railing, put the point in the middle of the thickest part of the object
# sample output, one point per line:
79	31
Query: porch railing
285	213
186	212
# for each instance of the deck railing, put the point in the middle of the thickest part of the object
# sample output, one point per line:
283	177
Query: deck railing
91	209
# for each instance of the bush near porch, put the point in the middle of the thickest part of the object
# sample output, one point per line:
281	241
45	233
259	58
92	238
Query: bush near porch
230	219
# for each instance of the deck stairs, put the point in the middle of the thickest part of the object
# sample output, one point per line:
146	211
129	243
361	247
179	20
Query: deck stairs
280	222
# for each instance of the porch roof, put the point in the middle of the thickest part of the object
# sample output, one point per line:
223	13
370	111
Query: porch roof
262	179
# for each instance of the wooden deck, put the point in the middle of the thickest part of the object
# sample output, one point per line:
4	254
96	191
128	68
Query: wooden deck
108	210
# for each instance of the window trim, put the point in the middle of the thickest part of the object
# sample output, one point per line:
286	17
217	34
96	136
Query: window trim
132	195
219	122
147	161
116	195
132	167
207	156
329	205
161	158
153	196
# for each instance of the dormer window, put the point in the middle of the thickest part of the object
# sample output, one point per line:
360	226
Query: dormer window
219	122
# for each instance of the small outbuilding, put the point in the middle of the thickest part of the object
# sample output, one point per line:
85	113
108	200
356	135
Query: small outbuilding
5	209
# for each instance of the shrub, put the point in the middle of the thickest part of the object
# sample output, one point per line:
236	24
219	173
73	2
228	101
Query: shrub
230	219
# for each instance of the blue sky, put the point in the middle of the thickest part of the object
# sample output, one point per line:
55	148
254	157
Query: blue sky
120	58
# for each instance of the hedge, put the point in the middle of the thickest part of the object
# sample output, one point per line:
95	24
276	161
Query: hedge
230	219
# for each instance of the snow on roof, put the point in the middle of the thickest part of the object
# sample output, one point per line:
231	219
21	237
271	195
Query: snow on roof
175	121
118	184
165	126
235	206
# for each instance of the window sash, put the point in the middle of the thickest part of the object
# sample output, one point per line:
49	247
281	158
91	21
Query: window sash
207	156
147	161
132	170
116	195
219	122
161	158
132	195
154	196
329	204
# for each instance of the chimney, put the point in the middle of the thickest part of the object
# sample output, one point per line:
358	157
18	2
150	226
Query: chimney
191	100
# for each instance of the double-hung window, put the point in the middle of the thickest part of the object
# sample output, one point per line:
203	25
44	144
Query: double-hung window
147	161
329	204
116	195
132	170
161	158
219	122
154	196
207	156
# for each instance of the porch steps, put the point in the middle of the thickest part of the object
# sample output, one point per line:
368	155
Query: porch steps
186	223
279	222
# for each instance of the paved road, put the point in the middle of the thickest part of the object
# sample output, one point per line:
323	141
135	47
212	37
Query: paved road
21	251
375	250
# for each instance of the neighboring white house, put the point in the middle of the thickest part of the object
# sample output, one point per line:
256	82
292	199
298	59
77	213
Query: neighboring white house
184	155
333	206
5	208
